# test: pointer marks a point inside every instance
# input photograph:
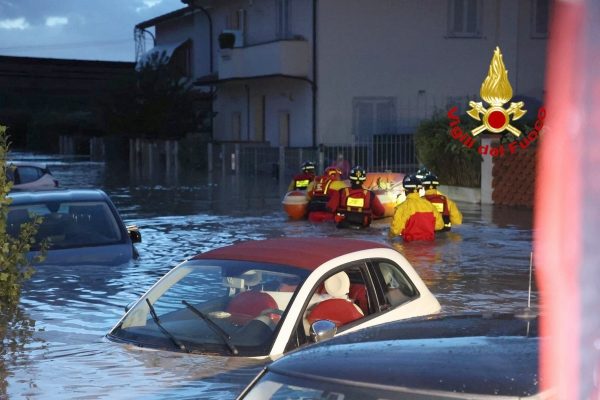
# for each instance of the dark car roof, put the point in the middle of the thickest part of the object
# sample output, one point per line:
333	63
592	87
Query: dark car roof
471	354
61	195
307	253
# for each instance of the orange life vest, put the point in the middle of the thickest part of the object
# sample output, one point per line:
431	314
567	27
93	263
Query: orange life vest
301	181
320	195
355	207
441	204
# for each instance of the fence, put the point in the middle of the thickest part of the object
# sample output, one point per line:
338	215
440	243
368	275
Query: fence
378	153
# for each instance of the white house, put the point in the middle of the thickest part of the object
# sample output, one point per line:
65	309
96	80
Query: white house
310	72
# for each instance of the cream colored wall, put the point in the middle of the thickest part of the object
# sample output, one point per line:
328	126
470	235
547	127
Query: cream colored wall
401	49
192	27
282	94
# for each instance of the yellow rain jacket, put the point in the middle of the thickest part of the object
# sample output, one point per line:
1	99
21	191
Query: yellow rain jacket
413	204
454	212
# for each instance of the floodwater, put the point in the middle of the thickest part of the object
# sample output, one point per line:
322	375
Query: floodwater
55	347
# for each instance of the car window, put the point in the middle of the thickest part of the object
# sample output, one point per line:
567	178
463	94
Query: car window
246	303
395	286
28	174
10	173
68	224
346	300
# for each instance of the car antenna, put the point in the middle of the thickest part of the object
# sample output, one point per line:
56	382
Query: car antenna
527	312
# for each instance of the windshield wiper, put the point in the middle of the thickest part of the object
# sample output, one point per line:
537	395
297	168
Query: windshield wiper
216	328
176	342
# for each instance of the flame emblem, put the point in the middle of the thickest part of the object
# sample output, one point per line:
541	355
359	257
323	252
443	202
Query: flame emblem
496	91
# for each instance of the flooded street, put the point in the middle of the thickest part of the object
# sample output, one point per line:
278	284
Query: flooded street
482	265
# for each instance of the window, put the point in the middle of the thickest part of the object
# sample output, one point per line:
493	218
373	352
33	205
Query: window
283	19
346	299
374	116
235	20
540	11
464	18
28	174
397	288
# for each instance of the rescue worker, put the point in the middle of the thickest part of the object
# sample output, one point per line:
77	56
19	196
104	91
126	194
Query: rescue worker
416	218
421	174
444	205
355	206
319	191
303	179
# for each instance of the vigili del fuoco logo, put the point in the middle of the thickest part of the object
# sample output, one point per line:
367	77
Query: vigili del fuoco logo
496	91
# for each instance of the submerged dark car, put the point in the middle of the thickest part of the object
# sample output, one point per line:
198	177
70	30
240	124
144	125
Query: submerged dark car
82	226
452	357
30	176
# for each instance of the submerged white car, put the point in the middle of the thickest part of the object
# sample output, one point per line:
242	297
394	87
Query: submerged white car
260	298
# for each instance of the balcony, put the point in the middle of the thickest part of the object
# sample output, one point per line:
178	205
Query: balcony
285	57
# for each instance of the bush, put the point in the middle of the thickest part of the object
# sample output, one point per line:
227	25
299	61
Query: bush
453	163
154	102
15	268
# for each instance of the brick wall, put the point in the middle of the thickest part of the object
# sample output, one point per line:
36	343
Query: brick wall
513	178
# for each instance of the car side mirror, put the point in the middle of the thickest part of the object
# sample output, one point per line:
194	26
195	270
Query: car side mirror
322	330
134	234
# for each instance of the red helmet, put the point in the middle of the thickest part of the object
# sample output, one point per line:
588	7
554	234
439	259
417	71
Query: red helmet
330	171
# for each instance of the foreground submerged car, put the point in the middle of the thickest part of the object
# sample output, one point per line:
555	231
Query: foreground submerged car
82	226
259	298
453	357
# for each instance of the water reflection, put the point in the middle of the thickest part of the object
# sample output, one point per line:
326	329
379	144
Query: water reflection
481	265
16	331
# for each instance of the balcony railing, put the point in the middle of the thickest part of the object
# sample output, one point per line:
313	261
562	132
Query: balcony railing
285	57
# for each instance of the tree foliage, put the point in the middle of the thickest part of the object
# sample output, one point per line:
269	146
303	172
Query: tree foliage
449	159
155	101
15	267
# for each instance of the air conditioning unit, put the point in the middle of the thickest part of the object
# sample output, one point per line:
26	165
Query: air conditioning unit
239	36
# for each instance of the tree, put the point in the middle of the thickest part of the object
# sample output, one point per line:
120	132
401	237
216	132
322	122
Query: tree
15	267
156	101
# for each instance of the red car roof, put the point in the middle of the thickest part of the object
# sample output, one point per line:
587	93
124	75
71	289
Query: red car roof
307	253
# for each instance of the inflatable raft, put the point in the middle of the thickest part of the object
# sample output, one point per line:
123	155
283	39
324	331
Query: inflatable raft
295	204
388	187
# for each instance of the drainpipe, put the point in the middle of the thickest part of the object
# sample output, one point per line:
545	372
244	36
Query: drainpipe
192	4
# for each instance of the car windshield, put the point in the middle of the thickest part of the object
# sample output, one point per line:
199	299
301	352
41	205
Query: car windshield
275	386
213	307
68	224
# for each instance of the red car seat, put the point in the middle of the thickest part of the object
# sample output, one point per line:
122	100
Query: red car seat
248	305
358	294
338	309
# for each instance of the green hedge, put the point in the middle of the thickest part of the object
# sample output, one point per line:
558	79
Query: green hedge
449	159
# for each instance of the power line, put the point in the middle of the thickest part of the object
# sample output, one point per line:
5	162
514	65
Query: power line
72	45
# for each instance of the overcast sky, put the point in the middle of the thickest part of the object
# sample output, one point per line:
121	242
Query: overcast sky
75	29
